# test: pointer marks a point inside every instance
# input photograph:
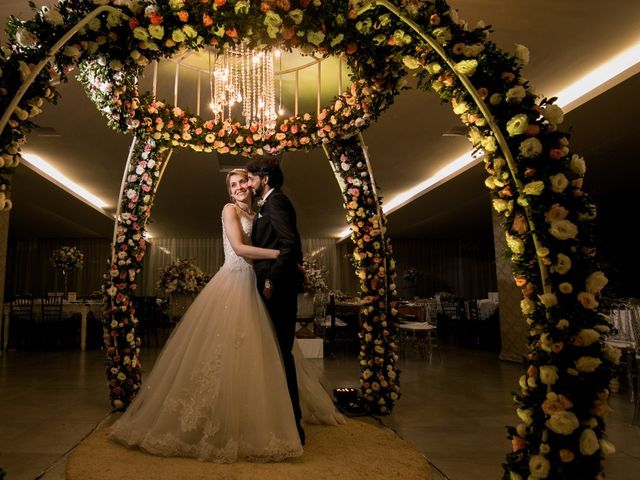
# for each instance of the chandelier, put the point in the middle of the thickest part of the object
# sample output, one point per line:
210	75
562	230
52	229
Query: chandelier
242	81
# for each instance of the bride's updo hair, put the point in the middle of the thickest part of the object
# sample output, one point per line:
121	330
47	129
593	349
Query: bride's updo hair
241	172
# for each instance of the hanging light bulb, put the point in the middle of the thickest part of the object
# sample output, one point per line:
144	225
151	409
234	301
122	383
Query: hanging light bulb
277	52
280	111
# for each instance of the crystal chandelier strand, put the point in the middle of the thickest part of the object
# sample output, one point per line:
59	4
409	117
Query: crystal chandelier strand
246	76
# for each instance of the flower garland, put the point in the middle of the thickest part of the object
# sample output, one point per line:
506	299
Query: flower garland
67	258
182	276
122	344
535	178
375	267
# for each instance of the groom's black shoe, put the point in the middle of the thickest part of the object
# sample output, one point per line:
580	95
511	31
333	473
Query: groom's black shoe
300	432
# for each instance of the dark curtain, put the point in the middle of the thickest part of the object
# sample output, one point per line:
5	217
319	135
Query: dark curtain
464	267
29	270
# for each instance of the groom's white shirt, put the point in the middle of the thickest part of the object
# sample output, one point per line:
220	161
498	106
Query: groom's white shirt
264	199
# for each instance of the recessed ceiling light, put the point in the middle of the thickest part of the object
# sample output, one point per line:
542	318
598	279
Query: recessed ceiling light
38	165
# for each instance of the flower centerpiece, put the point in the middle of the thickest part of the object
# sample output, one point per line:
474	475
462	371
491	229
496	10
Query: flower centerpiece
66	259
182	280
314	276
182	276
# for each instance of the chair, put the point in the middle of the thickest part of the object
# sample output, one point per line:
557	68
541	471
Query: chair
148	312
51	325
341	333
21	321
470	327
635	359
452	316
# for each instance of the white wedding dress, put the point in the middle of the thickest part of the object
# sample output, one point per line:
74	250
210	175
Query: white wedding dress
218	391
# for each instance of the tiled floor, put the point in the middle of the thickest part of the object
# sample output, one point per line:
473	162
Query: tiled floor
454	409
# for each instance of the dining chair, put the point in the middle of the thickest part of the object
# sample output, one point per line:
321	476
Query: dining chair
21	321
634	307
452	317
51	327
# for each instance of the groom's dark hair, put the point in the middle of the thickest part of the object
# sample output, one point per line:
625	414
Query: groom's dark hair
267	167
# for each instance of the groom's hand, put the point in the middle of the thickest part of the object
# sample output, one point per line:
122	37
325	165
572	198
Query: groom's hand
266	291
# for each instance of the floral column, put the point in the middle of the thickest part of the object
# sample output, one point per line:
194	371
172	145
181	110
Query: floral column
375	267
142	176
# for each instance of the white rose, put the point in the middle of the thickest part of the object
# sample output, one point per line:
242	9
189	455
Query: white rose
531	147
589	442
563	264
563	422
558	182
25	38
73	51
577	164
517	125
466	67
410	62
472	50
522	54
548	299
587	364
553	114
489	144
563	229
548	374
607	447
525	415
516	94
515	244
539	466
611	353
533	188
588	336
500	205
596	282
52	16
527	306
565	287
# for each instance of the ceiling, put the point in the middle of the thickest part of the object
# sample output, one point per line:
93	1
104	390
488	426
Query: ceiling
406	145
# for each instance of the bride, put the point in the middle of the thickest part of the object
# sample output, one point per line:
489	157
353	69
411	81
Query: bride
218	391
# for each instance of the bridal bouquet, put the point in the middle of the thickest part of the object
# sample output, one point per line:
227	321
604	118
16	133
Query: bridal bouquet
67	258
182	276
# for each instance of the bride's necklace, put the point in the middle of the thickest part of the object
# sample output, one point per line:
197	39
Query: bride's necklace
245	210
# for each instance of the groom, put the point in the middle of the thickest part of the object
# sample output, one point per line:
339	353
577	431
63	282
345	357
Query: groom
280	280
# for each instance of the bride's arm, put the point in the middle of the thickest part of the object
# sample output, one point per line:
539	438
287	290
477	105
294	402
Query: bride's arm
236	238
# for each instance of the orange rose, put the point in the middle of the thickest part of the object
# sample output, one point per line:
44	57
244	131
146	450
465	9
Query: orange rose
155	18
232	33
517	443
351	48
183	15
207	21
532	131
220	3
566	455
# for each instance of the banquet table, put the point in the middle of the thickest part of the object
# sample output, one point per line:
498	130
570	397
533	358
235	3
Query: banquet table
486	308
68	310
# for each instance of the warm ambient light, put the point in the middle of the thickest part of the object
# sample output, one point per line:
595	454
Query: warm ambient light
588	86
452	169
41	167
569	98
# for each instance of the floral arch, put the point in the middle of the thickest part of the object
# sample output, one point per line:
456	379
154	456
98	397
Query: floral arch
534	177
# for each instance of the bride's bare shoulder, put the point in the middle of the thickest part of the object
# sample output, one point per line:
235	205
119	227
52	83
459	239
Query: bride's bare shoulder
229	211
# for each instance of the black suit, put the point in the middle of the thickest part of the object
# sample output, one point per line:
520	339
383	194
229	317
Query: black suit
275	227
